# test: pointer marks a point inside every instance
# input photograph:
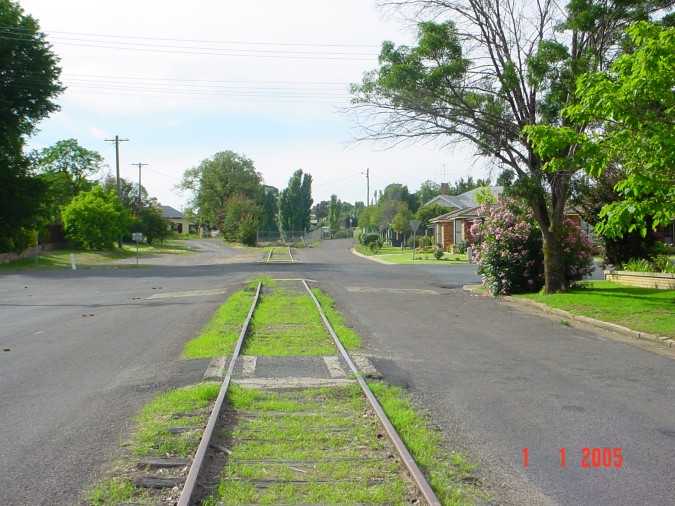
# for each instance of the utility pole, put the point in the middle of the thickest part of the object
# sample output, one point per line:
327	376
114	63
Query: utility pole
367	187
117	141
140	203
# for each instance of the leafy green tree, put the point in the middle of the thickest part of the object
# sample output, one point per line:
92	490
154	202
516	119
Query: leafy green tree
485	75
334	214
128	192
320	210
426	213
632	106
401	221
29	84
427	191
462	186
269	209
216	179
68	169
240	211
152	225
95	219
295	203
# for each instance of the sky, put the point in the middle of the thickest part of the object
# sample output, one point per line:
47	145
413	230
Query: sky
267	79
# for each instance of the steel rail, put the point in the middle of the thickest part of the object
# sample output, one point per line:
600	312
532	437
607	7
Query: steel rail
197	462
269	256
403	452
290	254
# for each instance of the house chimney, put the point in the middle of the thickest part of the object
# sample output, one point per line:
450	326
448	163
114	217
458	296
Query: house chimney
445	188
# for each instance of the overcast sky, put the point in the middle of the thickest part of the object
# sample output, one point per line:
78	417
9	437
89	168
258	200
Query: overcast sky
264	78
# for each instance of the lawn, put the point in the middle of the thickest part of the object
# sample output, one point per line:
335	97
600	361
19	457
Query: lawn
399	256
642	309
60	259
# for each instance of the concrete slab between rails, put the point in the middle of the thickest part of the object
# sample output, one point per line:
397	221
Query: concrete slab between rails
378	260
281	383
612	327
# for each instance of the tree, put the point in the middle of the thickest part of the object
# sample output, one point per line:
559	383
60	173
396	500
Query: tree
334	214
28	87
295	203
269	209
632	107
427	191
400	223
95	219
496	67
67	168
462	186
151	224
240	214
218	178
320	210
426	213
128	191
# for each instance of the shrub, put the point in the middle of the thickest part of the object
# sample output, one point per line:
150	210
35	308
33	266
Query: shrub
425	242
461	246
438	253
372	241
510	257
662	263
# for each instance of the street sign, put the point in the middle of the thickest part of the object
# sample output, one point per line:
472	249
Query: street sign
137	236
415	224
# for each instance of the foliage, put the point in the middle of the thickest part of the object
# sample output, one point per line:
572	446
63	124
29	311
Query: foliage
371	241
632	106
218	178
510	255
295	203
28	88
426	213
239	219
95	219
320	210
153	225
128	193
67	169
425	242
461	186
638	265
427	191
334	214
484	76
401	221
269	208
438	253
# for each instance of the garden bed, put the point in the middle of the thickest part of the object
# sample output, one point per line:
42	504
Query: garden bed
657	280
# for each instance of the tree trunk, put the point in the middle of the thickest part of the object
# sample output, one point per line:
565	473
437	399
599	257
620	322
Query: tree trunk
554	261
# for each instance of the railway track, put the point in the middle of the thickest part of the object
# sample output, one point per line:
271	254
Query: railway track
280	439
280	254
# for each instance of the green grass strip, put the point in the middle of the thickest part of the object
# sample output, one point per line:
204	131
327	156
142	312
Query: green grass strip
303	438
151	437
443	469
642	309
219	337
404	257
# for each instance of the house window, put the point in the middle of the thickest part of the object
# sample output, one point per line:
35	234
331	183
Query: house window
458	231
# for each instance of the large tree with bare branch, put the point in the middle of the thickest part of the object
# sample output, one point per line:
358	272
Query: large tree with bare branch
481	71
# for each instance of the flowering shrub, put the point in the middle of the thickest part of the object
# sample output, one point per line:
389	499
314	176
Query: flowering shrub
509	248
509	252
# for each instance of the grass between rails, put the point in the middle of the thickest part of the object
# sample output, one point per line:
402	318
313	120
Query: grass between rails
328	443
271	332
404	257
60	259
185	407
643	309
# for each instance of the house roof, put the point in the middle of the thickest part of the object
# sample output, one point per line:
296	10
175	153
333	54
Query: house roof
169	212
469	212
467	199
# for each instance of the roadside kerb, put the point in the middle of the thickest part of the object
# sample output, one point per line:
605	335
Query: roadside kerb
371	258
612	327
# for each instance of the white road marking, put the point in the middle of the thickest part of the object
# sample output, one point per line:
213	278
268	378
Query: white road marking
191	293
334	367
249	365
366	289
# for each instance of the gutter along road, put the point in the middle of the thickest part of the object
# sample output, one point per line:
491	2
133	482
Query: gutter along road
496	378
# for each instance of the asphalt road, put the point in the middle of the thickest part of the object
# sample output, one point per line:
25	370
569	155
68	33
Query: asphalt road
494	377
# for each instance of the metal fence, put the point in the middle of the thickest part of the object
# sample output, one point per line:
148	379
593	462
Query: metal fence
291	236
